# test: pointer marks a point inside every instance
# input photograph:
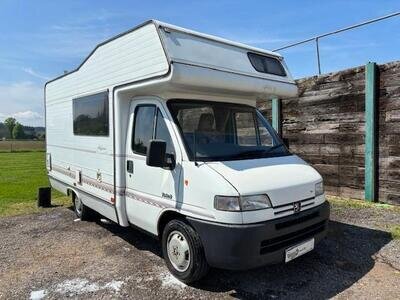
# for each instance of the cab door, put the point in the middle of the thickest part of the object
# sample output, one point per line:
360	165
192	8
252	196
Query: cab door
150	189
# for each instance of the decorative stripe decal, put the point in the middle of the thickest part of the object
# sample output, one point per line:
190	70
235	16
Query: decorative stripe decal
107	187
162	205
79	149
104	186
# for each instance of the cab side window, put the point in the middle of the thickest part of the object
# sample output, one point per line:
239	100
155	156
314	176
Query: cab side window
162	132
149	124
143	128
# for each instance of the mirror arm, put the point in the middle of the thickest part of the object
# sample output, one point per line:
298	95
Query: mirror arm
170	162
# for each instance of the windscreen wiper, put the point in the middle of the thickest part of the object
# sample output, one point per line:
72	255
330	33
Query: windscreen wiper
273	148
257	151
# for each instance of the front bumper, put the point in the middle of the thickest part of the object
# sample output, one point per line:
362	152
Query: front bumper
240	247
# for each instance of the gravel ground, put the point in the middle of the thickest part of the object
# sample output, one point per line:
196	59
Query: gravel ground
52	256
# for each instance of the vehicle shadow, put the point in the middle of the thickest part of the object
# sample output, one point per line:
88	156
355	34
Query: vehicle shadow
340	260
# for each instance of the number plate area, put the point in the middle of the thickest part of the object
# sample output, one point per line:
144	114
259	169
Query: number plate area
298	250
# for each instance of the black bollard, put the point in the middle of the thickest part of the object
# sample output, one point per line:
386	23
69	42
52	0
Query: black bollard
44	197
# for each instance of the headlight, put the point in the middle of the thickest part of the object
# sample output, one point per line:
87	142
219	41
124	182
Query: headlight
243	203
255	202
319	188
227	203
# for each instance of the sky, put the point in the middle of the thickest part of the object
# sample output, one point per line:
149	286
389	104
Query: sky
40	39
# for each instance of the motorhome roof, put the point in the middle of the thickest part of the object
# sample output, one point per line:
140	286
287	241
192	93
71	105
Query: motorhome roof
214	38
172	28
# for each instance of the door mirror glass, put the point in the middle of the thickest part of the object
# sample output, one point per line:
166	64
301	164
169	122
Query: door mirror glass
156	154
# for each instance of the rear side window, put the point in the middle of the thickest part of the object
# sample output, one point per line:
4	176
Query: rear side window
143	128
266	64
91	115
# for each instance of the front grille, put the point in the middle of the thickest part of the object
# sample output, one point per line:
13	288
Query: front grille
292	238
285	208
296	221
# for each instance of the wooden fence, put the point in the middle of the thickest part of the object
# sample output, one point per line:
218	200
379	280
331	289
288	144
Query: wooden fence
340	117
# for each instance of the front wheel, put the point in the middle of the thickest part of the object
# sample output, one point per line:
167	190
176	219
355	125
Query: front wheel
183	252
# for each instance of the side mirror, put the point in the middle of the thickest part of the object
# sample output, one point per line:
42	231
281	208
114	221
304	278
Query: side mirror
156	153
286	142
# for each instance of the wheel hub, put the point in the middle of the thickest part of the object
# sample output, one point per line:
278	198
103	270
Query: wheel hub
178	251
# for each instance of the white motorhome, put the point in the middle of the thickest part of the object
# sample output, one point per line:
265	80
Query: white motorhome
158	128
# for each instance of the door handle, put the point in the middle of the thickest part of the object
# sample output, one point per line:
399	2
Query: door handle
129	166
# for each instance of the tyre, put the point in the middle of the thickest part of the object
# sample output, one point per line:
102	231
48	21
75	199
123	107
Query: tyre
183	252
81	210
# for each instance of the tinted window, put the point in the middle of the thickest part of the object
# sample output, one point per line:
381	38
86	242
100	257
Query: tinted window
162	132
143	128
266	64
91	115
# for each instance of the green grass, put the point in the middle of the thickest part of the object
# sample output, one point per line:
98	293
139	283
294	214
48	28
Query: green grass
21	174
395	232
359	204
340	204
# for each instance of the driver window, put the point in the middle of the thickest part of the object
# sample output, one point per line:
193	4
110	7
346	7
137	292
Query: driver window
143	128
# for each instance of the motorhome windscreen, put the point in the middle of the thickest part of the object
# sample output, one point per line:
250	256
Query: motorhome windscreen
218	131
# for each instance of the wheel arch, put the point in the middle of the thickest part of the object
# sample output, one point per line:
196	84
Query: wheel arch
165	217
72	192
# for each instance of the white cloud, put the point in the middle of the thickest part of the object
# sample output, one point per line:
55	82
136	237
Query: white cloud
28	118
35	74
24	101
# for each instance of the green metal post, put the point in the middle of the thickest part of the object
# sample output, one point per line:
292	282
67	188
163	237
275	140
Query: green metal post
370	132
276	115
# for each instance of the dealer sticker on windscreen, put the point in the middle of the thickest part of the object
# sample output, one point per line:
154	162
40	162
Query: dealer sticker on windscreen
298	250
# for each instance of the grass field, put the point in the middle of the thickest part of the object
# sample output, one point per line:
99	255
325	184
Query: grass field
21	145
21	173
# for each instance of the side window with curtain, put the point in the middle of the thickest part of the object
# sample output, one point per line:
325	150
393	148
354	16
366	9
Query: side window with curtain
143	128
162	132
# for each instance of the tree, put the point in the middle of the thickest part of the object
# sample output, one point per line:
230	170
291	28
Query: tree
10	123
18	131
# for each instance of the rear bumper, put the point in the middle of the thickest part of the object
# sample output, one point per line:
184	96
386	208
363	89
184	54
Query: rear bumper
240	247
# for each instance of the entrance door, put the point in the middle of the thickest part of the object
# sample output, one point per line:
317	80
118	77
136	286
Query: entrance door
149	189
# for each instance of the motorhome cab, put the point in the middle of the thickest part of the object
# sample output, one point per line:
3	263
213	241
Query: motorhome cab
158	128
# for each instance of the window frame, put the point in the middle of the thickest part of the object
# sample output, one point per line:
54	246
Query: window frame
106	92
249	54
